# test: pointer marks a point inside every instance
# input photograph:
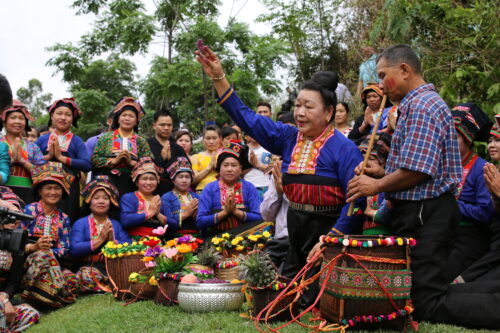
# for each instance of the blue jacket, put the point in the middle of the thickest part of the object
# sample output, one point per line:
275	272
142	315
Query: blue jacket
171	206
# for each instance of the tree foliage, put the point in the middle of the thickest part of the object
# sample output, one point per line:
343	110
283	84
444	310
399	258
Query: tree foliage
34	98
458	44
96	84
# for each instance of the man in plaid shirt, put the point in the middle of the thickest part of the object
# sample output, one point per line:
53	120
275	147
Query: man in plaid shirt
422	175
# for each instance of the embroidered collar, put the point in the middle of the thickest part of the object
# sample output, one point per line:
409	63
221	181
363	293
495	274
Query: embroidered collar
306	152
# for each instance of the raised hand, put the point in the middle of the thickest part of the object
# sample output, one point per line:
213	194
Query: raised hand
210	63
166	152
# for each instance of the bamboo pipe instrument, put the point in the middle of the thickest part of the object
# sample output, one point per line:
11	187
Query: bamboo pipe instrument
370	145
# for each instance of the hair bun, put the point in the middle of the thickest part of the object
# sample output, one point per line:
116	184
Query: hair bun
326	79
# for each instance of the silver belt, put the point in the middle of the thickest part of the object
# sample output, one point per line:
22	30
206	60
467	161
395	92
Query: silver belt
314	208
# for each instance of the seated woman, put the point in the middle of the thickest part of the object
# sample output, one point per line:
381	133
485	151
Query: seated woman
67	148
473	236
89	234
181	202
140	211
13	318
45	282
24	154
230	201
118	151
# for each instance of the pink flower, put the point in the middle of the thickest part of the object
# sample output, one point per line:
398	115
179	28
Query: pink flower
150	264
171	252
160	231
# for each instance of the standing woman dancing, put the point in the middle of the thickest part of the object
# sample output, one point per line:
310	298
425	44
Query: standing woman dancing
317	159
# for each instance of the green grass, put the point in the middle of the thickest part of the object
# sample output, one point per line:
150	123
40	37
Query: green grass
102	313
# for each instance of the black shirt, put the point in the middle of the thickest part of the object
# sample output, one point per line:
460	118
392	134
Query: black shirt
176	151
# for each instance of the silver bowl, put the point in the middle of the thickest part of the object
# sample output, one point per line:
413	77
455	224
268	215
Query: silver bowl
206	297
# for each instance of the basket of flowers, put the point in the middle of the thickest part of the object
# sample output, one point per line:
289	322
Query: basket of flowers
265	284
122	260
169	264
143	284
233	246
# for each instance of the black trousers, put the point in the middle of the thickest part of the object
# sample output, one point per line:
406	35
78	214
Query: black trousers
488	266
472	243
433	223
304	230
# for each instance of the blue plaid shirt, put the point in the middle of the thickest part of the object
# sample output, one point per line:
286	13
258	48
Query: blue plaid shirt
425	140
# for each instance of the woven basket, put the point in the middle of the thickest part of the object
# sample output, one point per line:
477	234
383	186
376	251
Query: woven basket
262	297
228	274
119	270
167	291
143	290
352	292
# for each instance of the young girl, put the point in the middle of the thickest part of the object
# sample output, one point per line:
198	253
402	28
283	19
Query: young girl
181	202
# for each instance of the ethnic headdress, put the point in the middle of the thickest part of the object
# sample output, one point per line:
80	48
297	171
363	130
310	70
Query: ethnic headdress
495	131
129	103
145	165
372	86
471	122
181	164
8	195
70	104
234	149
380	149
52	171
20	107
100	183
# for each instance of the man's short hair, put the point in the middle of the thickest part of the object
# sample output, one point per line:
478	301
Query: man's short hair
162	113
401	53
264	103
5	93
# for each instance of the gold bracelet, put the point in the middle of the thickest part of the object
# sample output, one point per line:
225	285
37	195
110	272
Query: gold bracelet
218	78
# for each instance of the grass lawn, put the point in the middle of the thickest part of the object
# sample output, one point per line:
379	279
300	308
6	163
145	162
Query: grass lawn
102	313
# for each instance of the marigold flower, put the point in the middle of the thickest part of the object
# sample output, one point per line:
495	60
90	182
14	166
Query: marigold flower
266	234
145	259
235	241
226	235
240	248
152	281
183	248
171	243
253	238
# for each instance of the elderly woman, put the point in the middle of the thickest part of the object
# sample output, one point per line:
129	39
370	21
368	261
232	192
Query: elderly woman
44	281
24	154
230	201
181	202
317	159
117	152
67	148
140	211
89	234
204	162
371	96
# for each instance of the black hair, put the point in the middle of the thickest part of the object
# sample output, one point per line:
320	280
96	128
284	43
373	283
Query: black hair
324	82
162	113
38	186
74	122
227	131
42	128
286	117
266	104
401	53
27	127
211	128
182	132
116	125
5	93
345	105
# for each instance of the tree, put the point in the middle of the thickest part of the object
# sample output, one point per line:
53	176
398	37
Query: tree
34	98
96	84
176	81
457	42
